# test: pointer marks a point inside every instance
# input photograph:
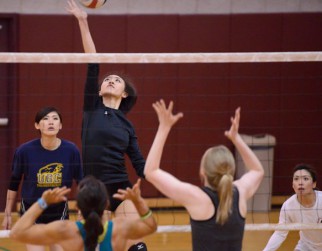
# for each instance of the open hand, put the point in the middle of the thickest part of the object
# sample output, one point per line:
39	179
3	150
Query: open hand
133	193
55	195
74	9
165	115
233	131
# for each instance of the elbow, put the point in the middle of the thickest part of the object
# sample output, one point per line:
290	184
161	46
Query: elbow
14	234
153	227
17	233
147	173
262	173
150	172
150	176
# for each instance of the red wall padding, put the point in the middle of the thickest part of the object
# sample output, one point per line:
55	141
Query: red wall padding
282	99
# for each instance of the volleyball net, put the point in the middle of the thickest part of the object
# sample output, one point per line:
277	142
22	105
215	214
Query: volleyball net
280	94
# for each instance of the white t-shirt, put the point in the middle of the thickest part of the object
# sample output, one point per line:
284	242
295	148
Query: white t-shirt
293	212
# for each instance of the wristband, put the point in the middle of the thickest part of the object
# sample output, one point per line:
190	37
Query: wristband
147	215
42	203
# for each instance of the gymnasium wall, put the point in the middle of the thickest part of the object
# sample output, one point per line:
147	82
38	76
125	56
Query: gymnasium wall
282	99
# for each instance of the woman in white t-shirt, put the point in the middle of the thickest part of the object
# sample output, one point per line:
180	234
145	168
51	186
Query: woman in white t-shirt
305	206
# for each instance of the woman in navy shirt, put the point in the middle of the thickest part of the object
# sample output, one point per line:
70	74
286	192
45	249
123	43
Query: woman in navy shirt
43	163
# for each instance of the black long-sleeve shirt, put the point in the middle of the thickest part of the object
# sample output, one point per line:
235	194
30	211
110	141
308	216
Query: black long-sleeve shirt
107	136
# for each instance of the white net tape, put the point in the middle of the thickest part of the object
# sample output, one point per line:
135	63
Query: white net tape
141	58
4	233
248	227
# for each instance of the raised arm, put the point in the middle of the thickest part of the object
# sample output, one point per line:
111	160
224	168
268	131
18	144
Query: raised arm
135	229
88	43
25	229
250	181
166	120
182	192
91	86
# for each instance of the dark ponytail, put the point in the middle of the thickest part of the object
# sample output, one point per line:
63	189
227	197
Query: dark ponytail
93	228
92	201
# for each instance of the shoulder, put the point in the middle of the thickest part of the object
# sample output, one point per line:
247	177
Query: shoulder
28	145
290	202
319	196
69	144
202	197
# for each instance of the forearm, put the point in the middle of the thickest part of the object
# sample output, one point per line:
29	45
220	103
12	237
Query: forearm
146	216
251	161
141	206
87	40
26	221
11	198
276	240
154	157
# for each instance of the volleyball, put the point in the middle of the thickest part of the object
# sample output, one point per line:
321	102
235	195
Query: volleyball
93	4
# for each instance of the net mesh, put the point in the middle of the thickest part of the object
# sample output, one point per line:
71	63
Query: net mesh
280	94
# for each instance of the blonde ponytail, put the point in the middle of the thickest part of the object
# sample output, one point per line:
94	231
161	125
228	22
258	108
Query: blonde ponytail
218	165
225	193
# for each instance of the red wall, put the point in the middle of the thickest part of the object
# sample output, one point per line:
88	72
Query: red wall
282	99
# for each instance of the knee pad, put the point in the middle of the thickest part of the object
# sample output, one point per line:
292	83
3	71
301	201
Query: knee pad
138	247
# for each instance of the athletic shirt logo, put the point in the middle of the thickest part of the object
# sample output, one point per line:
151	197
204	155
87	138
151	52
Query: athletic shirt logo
50	175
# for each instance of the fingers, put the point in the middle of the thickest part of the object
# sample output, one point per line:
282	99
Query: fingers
70	6
121	194
158	105
178	115
162	110
138	183
129	193
170	107
60	191
56	195
237	114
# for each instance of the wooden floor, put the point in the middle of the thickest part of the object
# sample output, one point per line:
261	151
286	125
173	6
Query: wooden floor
253	240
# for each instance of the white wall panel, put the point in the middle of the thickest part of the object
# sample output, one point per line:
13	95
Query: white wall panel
166	6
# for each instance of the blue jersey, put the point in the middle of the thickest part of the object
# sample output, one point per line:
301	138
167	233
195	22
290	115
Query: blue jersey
42	169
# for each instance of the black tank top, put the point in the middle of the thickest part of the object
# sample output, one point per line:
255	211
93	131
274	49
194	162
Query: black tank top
207	235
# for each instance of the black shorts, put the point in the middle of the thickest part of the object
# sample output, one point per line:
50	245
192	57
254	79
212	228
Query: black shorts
112	189
53	212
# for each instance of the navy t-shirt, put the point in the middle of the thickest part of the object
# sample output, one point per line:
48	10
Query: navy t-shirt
43	169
